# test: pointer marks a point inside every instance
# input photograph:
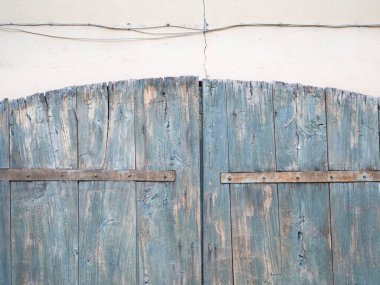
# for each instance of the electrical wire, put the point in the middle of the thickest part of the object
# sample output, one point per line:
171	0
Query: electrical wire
99	26
158	36
162	35
177	35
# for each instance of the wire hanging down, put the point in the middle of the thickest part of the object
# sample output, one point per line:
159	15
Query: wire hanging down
8	27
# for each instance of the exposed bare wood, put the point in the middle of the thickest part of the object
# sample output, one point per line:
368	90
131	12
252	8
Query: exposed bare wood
251	148
44	215
302	208
300	177
107	208
5	198
167	130
85	175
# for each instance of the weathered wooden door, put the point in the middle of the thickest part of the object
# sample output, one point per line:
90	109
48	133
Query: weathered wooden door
272	232
274	184
103	232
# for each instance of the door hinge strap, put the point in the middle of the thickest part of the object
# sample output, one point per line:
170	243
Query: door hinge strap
39	174
300	177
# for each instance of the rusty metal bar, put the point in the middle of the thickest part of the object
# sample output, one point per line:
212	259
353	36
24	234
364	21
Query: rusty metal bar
300	177
86	175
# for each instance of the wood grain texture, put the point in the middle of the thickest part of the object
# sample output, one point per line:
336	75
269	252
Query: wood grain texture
44	233
4	133
30	135
305	233
254	208
44	227
352	131
300	124
167	137
5	217
107	210
62	123
217	245
356	230
354	144
127	232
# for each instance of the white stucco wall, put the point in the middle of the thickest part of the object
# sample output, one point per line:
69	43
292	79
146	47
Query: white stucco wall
342	58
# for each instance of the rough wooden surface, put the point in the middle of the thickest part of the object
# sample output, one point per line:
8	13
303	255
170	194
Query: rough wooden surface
30	135
300	123
304	208
29	174
107	210
62	124
167	137
44	217
299	177
353	131
254	208
5	217
44	233
355	227
129	232
217	246
4	134
5	251
354	144
305	234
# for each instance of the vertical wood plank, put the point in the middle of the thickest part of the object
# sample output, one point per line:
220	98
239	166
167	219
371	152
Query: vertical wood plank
217	246
352	131
354	145
355	222
167	137
44	233
62	123
30	134
4	133
301	145
107	212
254	208
300	122
305	233
44	227
5	251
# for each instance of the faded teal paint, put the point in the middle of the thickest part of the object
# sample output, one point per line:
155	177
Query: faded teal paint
4	133
5	217
355	232
92	113
44	232
352	131
44	217
217	245
305	233
168	217
354	144
141	233
30	135
254	208
301	145
62	123
300	123
107	211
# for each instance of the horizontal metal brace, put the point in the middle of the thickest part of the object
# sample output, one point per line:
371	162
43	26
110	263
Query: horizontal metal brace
86	175
300	177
